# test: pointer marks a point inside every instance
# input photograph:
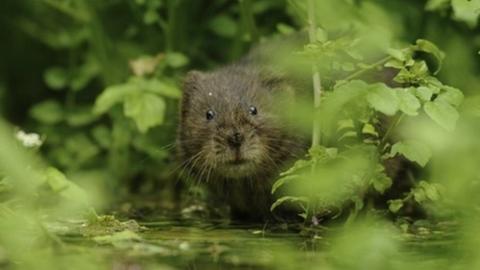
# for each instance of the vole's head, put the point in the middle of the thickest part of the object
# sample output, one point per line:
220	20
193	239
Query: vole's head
231	125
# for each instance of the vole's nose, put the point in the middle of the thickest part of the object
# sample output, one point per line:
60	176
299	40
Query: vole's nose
235	140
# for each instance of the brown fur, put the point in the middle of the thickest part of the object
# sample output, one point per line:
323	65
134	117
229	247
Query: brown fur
241	176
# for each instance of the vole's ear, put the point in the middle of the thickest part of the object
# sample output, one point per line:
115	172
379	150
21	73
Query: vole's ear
273	81
278	84
192	81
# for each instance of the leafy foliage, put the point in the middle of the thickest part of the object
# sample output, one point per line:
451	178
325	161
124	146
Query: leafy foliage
98	82
366	106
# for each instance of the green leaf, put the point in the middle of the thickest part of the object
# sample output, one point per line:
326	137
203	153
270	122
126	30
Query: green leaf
413	151
382	182
424	93
56	179
407	102
398	54
147	110
419	195
151	16
394	63
431	190
84	74
344	99
290	199
176	60
48	112
163	88
442	113
285	29
112	96
282	181
433	83
382	98
395	205
369	129
451	95
466	11
59	183
429	47
80	116
299	165
303	215
419	70
223	26
404	76
321	152
56	78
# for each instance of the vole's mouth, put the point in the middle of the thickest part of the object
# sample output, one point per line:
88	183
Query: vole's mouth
237	167
237	161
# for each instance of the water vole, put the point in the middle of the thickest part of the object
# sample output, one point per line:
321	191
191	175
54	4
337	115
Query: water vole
233	135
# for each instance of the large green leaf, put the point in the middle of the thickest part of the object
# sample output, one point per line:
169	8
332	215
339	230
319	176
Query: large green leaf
382	98
413	151
429	47
282	181
176	60
163	88
451	95
407	102
424	93
467	11
146	109
338	101
442	113
56	78
223	25
48	112
112	96
80	116
59	183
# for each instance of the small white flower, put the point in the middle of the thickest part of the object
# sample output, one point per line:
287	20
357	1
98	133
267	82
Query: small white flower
29	140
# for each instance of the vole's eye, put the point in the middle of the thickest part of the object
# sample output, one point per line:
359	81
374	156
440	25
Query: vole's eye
210	115
252	110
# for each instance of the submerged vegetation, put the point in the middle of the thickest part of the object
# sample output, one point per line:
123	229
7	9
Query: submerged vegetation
89	94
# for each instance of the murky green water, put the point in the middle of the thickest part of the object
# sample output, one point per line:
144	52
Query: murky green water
172	243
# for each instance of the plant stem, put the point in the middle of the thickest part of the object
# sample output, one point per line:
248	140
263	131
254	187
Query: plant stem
171	25
364	69
248	19
390	129
317	84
